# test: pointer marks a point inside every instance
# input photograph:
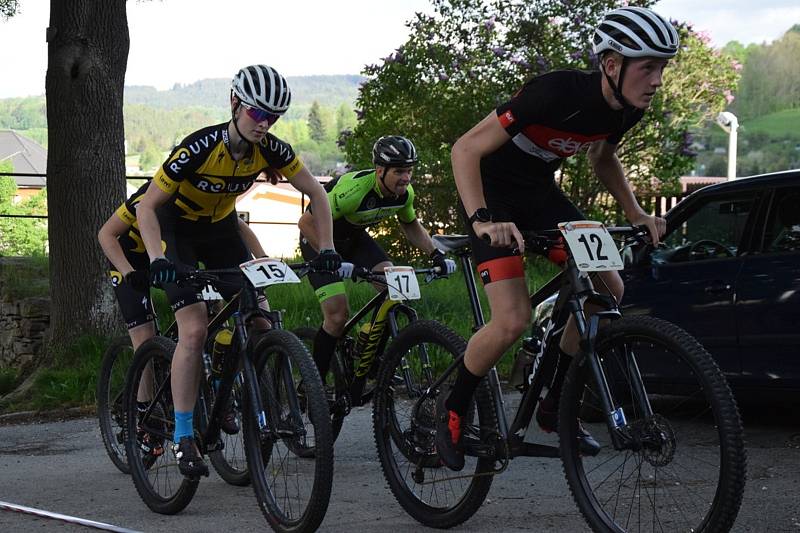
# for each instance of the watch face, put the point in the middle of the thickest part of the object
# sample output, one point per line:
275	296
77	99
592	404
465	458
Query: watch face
482	215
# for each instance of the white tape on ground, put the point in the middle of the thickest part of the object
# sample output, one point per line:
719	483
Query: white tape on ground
64	518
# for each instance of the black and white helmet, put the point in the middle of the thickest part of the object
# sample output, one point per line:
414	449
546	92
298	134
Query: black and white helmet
636	32
394	151
262	87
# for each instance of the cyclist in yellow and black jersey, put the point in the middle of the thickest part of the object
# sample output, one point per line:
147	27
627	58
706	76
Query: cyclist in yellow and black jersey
190	205
204	180
128	263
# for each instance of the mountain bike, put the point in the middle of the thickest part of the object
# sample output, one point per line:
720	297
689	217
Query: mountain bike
229	462
358	355
292	489
672	455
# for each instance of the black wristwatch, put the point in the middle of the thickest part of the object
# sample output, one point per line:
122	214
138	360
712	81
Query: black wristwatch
480	215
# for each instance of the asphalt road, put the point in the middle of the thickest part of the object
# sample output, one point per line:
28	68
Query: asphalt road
62	467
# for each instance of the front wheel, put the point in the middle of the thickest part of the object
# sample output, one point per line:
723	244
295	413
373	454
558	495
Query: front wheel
149	431
404	425
681	468
289	447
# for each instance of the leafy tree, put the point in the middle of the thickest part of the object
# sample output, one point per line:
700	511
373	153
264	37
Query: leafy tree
345	118
771	78
472	55
8	8
20	236
316	127
150	158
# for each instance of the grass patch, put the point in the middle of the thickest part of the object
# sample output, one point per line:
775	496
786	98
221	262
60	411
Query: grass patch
25	277
71	381
8	380
781	124
445	300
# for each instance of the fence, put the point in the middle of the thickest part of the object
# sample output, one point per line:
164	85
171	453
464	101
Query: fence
659	205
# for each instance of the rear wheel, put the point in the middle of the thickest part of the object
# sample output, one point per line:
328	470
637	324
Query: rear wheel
110	395
404	428
337	381
149	434
681	469
292	486
230	461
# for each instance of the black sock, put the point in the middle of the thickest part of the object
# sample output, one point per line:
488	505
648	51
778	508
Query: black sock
462	391
324	345
564	360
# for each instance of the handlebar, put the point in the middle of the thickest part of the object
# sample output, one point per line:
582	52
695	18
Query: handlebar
366	274
541	241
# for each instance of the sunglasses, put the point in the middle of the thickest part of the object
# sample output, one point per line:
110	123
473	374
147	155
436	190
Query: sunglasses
259	115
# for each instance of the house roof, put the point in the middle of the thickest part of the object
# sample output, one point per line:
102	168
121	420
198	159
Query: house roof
27	156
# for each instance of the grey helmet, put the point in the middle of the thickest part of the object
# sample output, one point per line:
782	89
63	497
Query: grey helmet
262	87
636	32
394	151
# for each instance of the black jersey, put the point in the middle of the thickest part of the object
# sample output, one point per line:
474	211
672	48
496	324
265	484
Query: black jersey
554	116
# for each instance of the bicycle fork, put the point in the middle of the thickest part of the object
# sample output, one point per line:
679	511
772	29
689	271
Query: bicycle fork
615	416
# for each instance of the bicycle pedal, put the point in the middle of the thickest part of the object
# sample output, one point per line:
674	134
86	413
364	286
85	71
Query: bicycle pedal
476	448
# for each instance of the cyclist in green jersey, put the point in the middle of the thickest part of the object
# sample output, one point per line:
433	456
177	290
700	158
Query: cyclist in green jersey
358	200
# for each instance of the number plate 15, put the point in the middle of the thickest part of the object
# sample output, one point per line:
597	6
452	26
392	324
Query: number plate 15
263	272
402	283
591	245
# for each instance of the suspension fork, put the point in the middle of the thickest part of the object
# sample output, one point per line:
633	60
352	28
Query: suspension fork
394	331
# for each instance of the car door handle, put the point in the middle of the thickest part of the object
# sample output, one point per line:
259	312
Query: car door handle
716	289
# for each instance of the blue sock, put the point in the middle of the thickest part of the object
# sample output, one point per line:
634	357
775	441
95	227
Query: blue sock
183	425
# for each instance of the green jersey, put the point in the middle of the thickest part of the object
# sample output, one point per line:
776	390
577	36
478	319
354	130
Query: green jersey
357	202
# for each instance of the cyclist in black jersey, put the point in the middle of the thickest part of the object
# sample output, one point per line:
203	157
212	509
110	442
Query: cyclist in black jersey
504	168
128	264
357	201
191	205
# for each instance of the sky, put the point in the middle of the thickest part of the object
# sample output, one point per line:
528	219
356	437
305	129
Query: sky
182	41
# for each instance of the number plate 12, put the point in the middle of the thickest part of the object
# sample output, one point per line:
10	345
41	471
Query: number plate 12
263	272
591	245
402	283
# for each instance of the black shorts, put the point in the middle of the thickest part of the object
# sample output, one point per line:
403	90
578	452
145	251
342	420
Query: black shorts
216	245
358	248
530	209
135	303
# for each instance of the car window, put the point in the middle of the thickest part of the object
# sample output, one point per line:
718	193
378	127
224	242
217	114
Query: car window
782	233
711	231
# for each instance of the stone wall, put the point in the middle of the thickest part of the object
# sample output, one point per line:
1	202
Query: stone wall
23	325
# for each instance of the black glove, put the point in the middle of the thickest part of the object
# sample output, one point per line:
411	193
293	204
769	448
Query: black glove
446	266
327	259
162	270
138	280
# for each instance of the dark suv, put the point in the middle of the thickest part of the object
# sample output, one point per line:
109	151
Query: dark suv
729	273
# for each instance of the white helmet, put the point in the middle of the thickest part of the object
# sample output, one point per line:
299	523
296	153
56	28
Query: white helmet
636	32
262	87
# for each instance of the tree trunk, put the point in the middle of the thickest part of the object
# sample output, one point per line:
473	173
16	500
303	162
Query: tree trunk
87	58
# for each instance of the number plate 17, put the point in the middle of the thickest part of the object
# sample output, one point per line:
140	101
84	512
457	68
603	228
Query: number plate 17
402	283
591	245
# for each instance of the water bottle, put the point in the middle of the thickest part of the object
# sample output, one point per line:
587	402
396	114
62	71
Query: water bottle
525	361
222	346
